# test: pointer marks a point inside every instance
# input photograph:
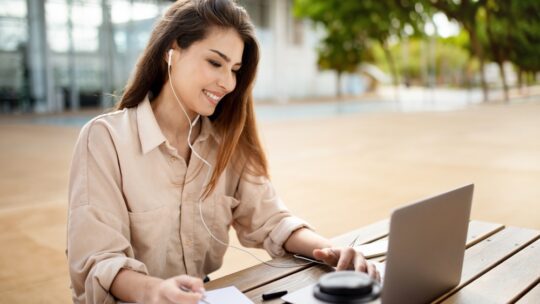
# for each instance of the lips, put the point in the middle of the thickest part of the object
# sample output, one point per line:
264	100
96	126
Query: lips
214	97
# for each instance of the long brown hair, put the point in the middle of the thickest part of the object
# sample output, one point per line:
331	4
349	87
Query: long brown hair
186	22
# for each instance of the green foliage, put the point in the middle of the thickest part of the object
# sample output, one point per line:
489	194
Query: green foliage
460	40
341	52
525	34
351	25
452	60
509	29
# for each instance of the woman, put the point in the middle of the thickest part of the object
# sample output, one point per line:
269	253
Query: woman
156	185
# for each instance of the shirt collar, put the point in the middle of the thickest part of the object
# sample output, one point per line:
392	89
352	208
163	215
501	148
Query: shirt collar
150	133
207	130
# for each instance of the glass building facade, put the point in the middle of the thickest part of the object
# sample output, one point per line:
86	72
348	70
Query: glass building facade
58	55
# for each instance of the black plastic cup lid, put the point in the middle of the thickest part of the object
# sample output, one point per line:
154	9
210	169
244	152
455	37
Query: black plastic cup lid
346	283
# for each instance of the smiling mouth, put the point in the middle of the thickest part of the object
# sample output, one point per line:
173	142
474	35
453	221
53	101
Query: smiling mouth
213	97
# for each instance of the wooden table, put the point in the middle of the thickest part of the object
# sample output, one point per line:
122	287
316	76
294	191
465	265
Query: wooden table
502	264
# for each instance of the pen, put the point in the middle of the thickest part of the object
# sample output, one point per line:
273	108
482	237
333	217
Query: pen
308	259
185	289
273	295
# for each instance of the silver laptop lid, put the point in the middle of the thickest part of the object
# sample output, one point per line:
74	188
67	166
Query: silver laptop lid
426	247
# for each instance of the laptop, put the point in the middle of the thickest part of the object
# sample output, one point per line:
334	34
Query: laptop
426	247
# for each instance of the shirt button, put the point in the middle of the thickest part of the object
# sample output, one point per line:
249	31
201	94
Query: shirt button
173	159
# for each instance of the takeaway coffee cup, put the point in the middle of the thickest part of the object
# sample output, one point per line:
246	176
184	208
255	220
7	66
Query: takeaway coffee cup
346	287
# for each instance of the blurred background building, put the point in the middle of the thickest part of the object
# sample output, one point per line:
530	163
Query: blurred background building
67	55
58	55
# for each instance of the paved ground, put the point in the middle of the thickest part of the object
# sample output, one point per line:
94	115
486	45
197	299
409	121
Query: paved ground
337	172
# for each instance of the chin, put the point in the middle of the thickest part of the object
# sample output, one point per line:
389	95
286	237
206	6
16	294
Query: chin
206	112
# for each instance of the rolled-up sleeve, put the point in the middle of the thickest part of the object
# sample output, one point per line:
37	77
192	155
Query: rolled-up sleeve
261	219
98	237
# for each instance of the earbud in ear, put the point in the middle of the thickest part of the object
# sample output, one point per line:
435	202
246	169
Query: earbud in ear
170	57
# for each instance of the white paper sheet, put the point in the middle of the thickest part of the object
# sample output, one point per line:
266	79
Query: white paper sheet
226	295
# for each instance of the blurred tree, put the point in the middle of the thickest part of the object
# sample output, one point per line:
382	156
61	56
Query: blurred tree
342	52
465	12
512	34
468	63
498	27
452	60
365	20
525	35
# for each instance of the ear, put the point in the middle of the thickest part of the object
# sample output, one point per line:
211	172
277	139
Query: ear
170	52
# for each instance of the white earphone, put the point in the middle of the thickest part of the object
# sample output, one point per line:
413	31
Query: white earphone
170	57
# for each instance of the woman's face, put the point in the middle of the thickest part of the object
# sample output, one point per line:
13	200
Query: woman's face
206	71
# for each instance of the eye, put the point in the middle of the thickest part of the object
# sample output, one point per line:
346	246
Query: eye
214	63
235	71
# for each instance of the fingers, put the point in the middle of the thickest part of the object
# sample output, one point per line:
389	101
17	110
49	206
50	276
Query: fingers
372	272
360	263
346	258
327	255
171	293
183	289
192	283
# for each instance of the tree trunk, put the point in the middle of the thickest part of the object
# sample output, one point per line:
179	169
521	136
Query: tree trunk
392	65
497	53
480	54
520	80
500	63
526	82
338	84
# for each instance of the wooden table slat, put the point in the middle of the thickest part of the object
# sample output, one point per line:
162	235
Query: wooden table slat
251	277
487	254
505	282
478	231
532	296
290	283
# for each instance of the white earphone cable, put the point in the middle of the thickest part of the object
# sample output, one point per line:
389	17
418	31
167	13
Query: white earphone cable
191	124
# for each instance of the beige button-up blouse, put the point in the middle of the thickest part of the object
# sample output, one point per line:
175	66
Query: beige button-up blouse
133	203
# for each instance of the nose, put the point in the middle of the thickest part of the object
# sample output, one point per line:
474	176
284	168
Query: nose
227	81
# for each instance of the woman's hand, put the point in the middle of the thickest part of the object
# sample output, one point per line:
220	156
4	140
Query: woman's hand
172	290
346	258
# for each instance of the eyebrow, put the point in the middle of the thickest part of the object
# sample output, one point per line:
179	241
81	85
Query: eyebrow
224	56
